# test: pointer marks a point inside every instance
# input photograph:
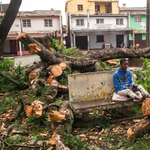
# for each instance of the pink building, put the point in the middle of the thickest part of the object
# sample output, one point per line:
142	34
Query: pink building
37	24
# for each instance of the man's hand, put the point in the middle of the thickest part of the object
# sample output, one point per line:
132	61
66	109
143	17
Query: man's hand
131	88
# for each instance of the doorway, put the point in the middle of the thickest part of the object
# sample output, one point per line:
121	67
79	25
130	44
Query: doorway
119	40
81	42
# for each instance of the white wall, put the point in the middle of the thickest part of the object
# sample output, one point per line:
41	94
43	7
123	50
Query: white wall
37	25
110	37
26	60
100	29
109	23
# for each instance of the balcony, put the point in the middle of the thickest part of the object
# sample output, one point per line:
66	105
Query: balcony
102	8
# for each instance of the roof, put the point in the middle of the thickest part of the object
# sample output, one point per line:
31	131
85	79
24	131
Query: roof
133	9
100	15
39	13
4	7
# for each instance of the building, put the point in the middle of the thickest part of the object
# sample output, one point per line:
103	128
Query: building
103	31
96	24
137	21
37	24
95	6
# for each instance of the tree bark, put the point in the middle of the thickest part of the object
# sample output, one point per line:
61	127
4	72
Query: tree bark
8	21
138	128
65	128
86	61
144	124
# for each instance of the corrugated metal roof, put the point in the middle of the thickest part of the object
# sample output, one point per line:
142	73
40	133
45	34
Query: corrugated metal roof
132	9
39	13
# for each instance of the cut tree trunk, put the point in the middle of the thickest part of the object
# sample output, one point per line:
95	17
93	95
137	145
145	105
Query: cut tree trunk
62	89
138	128
29	69
65	128
144	124
54	70
88	60
34	74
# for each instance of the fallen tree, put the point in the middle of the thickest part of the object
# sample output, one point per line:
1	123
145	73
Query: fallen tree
80	63
45	90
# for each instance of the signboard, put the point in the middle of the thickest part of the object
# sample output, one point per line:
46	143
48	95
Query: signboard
143	25
140	31
103	26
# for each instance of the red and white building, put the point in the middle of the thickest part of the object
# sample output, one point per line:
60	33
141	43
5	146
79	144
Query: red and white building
37	24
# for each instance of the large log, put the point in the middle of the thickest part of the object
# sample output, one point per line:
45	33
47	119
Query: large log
86	61
138	128
144	124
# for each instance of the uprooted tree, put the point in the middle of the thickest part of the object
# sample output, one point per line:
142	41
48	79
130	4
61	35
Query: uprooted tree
54	64
81	63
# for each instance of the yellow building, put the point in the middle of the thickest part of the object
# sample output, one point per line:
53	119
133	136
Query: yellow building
94	6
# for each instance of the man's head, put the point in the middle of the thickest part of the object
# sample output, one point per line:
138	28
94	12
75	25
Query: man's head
123	64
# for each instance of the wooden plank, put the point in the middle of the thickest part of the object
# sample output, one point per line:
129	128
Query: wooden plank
87	106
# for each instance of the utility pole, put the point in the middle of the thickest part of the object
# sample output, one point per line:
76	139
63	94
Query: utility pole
1	6
88	39
70	30
20	44
147	23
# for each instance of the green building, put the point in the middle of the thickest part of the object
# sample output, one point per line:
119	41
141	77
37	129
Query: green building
137	21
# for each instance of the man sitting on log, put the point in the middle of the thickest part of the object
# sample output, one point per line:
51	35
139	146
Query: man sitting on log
124	84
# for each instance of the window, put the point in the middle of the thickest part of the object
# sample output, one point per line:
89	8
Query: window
48	23
99	21
137	19
80	7
100	38
119	21
97	8
26	23
80	22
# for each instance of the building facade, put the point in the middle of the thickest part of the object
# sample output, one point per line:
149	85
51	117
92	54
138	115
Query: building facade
37	24
96	24
138	23
95	6
102	30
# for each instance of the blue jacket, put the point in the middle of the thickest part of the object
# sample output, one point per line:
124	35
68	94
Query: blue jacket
122	80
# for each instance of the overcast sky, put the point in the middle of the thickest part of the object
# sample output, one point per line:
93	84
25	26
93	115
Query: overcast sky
30	5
